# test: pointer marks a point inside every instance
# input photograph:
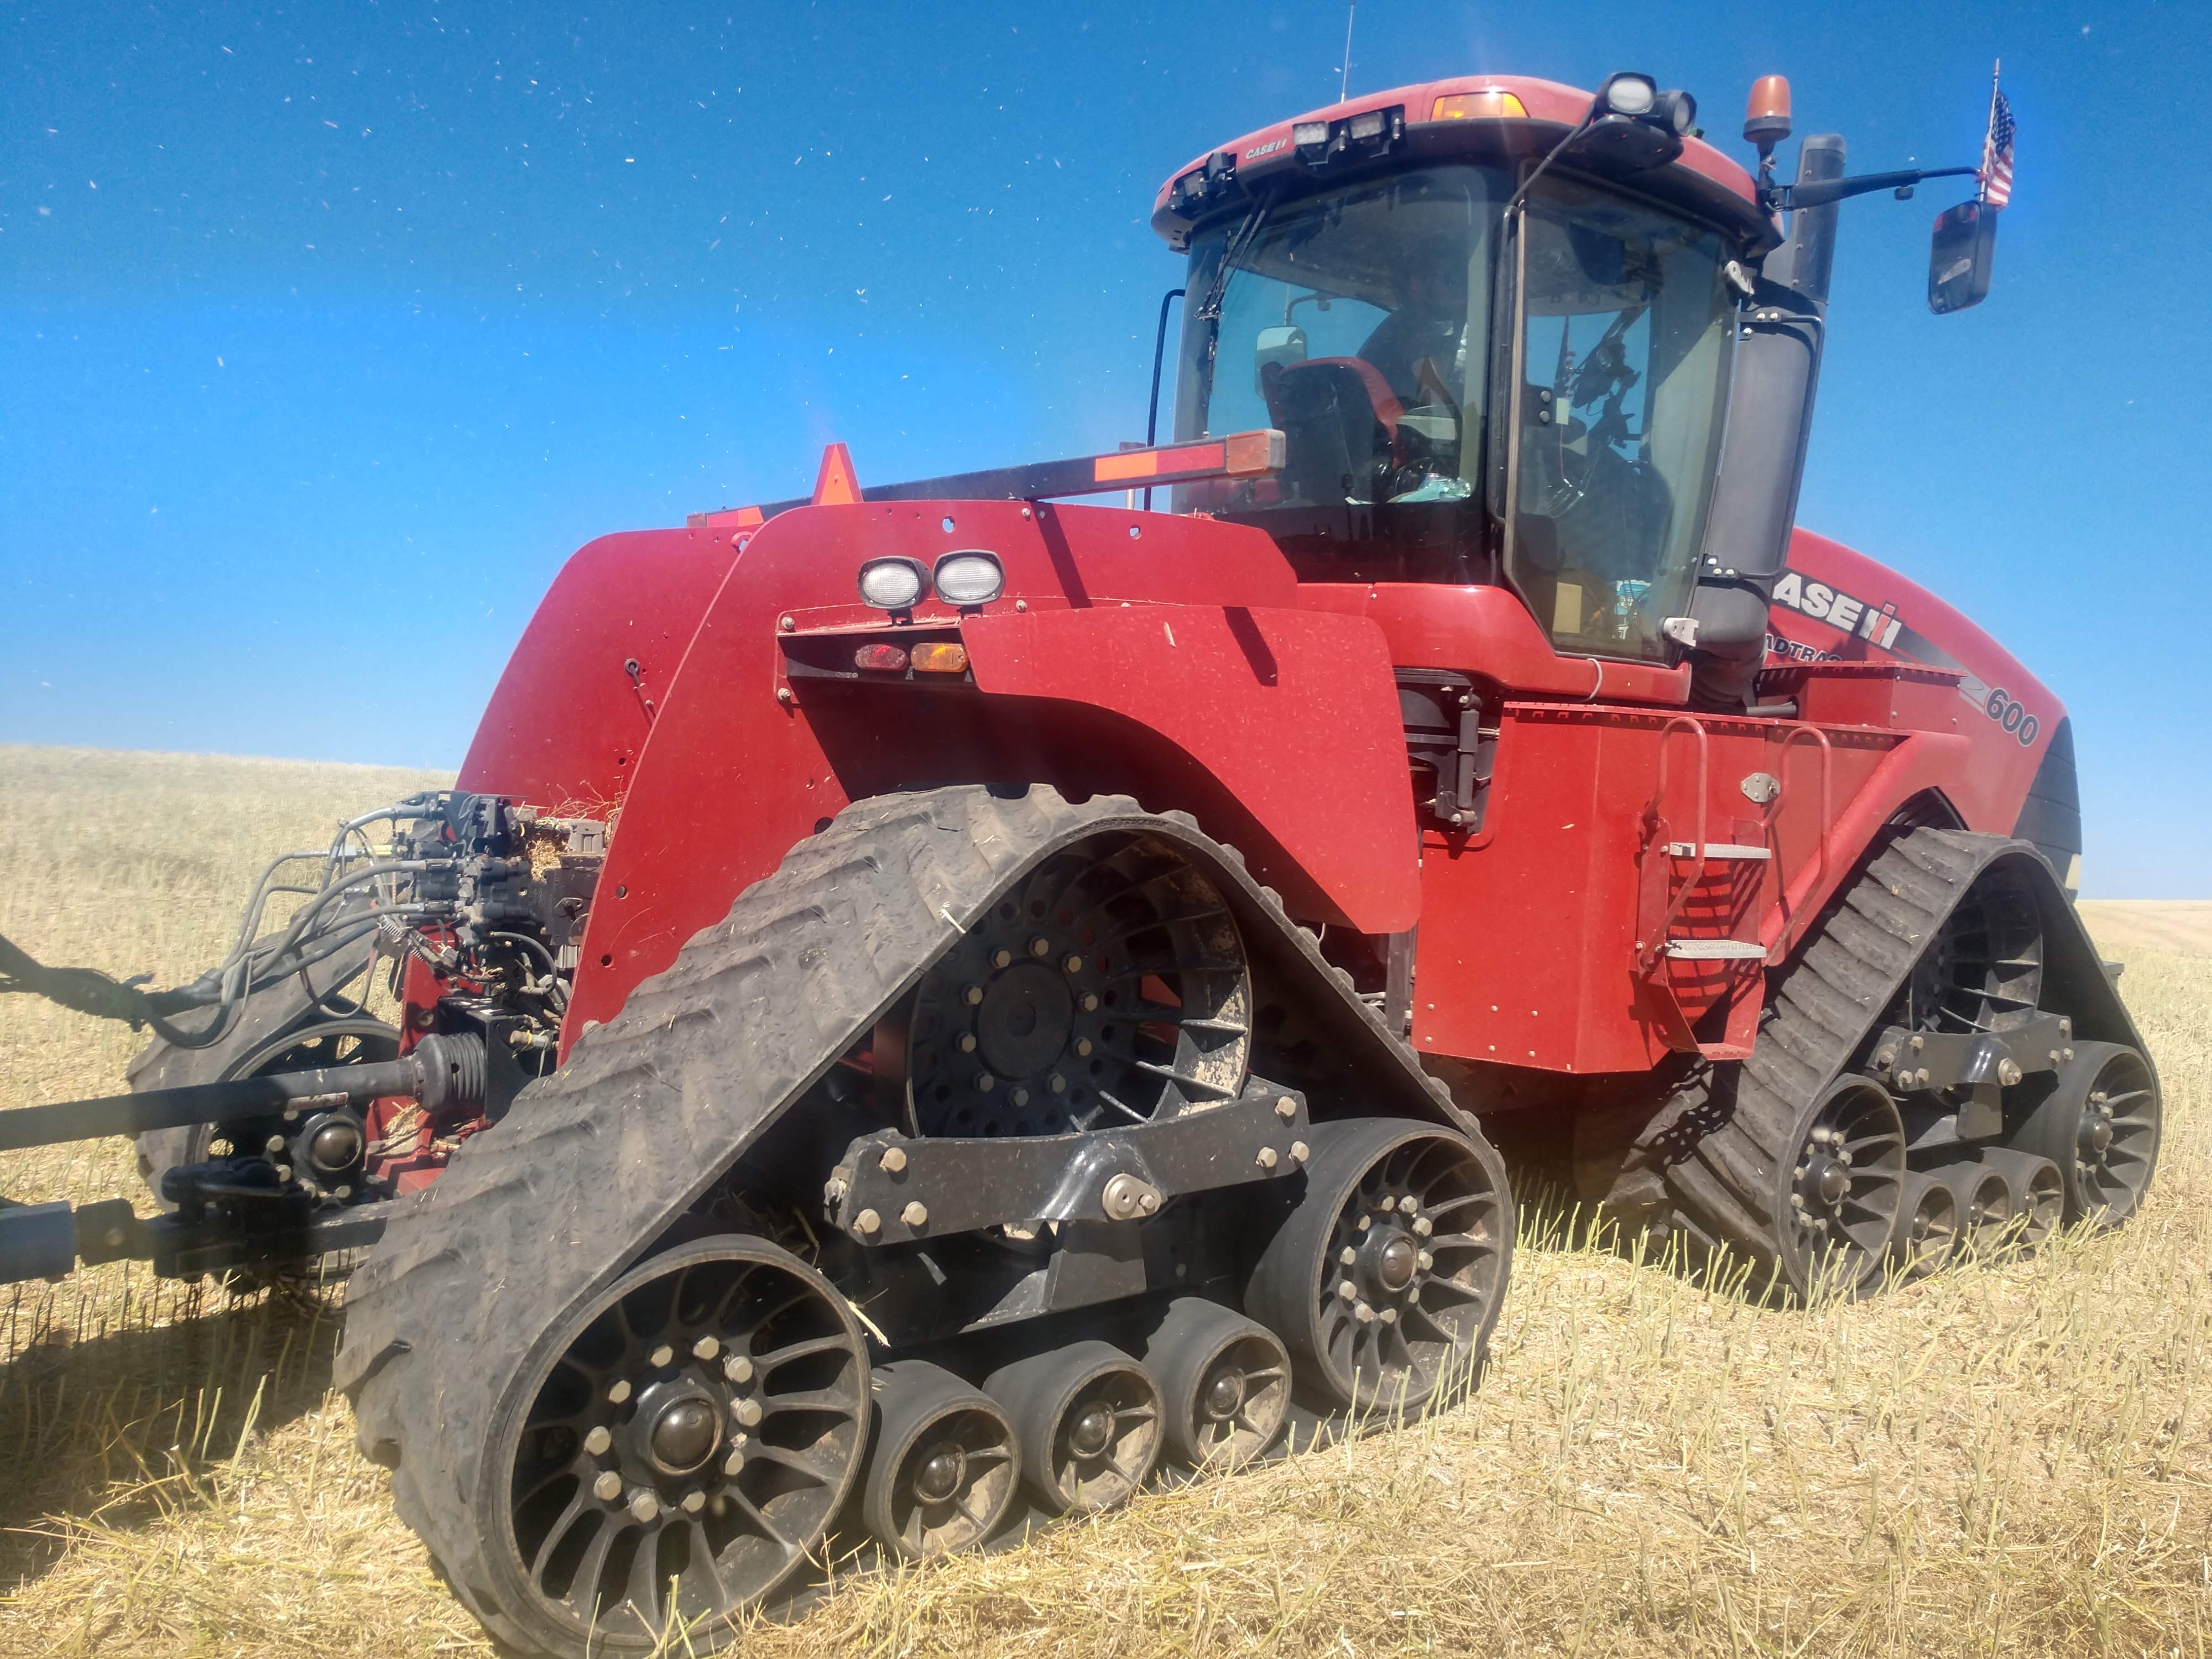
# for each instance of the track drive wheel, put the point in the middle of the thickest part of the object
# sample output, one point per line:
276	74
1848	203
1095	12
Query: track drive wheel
1387	1278
2099	1122
1088	1418
1225	1382
944	1467
673	1453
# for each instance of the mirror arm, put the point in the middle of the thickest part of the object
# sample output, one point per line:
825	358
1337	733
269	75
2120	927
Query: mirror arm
1791	198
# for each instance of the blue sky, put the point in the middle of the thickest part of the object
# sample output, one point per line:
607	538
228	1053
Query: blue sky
326	332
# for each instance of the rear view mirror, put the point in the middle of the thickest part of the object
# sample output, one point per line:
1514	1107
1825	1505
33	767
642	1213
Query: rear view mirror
1960	256
1278	348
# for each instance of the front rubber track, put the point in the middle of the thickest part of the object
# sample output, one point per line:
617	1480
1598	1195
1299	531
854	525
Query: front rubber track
1725	1144
593	1163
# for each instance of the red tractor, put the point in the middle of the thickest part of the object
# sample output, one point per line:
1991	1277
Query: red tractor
926	1002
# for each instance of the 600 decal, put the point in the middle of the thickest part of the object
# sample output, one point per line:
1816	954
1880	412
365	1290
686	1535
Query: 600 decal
2011	716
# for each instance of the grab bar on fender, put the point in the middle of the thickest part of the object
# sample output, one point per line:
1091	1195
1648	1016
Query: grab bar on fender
1791	924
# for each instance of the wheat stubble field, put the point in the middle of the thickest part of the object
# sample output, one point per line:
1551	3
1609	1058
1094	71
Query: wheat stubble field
2009	1458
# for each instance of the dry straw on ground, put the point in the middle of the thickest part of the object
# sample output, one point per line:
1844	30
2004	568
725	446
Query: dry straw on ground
2010	1458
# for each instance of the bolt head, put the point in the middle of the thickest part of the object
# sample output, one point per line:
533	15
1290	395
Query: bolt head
706	1348
1347	1255
1056	1083
1286	1108
607	1487
1425	1260
1345	1291
1082	1048
785	624
620	1392
693	1503
1918	1044
1266	1157
985	1083
1389	1315
2009	1073
892	1161
747	1411
1090	1002
734	1463
275	1144
1364	1314
1408	1204
967	1043
643	1507
973	996
1021	1096
2067	1053
597	1440
1300	1151
915	1214
1073	965
1423	1226
738	1368
785	696
1365	1222
867	1223
662	1355
1002	958
1039	947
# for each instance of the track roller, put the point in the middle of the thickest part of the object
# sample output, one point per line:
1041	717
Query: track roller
1087	1418
2038	1194
944	1468
1385	1280
1987	1204
1225	1383
1926	1224
682	1446
2098	1120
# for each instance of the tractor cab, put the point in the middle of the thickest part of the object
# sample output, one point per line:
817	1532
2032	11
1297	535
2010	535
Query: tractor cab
1486	370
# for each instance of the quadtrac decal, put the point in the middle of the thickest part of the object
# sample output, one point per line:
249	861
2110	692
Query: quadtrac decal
1879	624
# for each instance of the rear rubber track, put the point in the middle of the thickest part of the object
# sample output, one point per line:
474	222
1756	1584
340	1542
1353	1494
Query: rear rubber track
594	1163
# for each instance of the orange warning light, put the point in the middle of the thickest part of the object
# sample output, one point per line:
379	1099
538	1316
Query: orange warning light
1487	105
1767	113
937	657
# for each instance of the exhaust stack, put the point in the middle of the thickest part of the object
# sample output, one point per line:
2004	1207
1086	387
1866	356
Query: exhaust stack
1777	370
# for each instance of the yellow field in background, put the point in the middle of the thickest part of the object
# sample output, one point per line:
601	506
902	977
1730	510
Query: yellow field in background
2008	1458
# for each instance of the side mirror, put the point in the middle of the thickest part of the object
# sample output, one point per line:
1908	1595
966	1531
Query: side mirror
1279	347
1960	256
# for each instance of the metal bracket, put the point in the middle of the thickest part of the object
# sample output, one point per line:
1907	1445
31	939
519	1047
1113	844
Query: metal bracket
1984	1064
892	1188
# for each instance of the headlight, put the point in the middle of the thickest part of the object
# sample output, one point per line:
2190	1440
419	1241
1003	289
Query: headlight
891	583
1629	94
969	579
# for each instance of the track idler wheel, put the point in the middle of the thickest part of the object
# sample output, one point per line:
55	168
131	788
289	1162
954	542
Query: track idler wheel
1224	1381
1385	1280
1927	1225
1844	1188
944	1467
678	1450
1087	1417
2099	1121
2039	1196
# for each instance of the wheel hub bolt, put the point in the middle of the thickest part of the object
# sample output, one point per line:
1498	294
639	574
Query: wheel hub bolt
938	1475
1091	1432
1039	947
1082	1047
1021	1096
693	1503
1344	1289
1408	1204
1423	1226
973	996
1389	1315
607	1487
985	1083
1090	1002
1002	958
747	1411
734	1462
738	1368
643	1507
1056	1083
662	1355
1073	965
597	1440
619	1393
706	1348
1365	1314
1425	1260
1347	1255
967	1044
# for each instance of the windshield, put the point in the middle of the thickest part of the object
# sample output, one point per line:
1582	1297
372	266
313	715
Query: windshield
1360	322
1617	379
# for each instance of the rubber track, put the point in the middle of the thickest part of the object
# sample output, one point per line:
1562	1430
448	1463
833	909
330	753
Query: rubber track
546	1210
1720	1144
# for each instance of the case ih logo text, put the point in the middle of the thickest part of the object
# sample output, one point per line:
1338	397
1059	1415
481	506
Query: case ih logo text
1839	609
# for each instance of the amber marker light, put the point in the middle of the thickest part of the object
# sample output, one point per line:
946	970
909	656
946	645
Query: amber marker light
1767	113
1488	106
939	657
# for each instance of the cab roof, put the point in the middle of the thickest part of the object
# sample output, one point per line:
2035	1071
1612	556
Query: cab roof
1712	182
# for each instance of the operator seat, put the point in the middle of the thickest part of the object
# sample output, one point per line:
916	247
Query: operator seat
1340	422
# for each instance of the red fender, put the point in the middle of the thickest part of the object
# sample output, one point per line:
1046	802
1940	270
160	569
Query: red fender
1293	716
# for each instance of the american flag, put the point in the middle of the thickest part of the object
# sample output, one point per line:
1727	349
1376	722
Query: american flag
1996	154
